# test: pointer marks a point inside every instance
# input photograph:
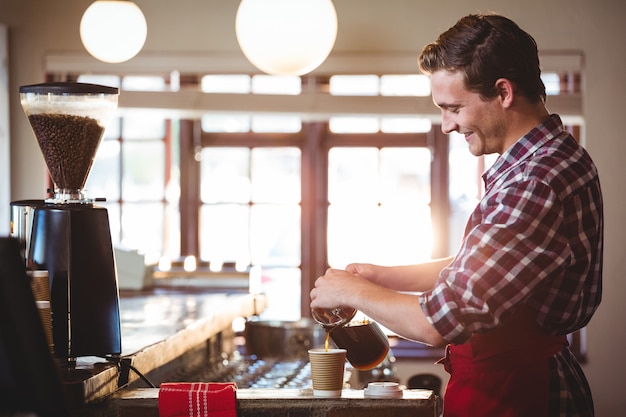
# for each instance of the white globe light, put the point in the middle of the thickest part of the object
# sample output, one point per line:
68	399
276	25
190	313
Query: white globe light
286	37
113	31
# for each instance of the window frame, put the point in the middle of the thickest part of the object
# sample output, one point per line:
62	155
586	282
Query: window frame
315	141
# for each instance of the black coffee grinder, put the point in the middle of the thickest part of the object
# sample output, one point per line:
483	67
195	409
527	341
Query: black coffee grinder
67	234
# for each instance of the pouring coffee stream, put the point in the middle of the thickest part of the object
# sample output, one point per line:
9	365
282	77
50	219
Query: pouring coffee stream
335	312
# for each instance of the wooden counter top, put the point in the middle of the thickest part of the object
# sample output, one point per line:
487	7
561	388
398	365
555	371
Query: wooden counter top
143	402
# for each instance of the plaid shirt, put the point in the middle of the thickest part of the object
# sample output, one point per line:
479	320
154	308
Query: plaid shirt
535	239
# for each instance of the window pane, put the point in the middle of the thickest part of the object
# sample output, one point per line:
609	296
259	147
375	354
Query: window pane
109	80
275	235
354	85
552	81
224	233
143	124
405	85
143	171
405	234
104	179
233	84
276	175
225	175
341	124
143	83
379	209
276	84
142	227
405	125
405	175
386	235
277	124
113	129
353	175
350	233
464	173
171	238
465	186
230	123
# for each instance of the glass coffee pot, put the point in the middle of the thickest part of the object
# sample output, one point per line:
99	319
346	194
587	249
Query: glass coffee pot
365	342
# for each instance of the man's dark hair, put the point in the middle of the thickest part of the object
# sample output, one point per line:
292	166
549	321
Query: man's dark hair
485	48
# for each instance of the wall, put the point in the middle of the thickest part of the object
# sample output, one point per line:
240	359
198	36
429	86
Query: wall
199	26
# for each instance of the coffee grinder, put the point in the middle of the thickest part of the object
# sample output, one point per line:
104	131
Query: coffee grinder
67	234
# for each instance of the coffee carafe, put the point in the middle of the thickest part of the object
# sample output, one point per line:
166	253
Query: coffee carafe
365	343
68	234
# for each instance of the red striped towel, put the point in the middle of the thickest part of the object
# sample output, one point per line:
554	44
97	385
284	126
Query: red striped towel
197	399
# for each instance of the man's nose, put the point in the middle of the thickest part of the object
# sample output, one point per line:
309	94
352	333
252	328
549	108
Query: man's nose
448	125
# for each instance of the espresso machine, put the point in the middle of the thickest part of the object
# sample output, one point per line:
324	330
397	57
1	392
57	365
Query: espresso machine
68	234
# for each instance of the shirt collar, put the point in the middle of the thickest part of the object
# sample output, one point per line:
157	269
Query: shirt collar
524	147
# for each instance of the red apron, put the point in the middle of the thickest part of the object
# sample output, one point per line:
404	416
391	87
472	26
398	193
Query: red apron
503	373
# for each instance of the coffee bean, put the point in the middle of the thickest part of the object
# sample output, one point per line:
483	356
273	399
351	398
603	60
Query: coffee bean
69	144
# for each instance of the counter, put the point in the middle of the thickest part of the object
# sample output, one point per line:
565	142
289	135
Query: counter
292	403
166	329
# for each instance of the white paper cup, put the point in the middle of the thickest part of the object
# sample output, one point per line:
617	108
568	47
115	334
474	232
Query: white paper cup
327	370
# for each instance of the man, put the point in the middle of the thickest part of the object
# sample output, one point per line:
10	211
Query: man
529	267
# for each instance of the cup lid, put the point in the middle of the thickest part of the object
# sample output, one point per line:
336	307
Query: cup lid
383	390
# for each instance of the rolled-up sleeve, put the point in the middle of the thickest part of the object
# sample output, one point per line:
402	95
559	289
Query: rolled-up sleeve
512	246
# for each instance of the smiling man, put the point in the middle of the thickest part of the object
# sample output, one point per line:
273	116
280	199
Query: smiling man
529	268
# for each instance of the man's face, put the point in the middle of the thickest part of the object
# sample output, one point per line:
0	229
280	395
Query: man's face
481	122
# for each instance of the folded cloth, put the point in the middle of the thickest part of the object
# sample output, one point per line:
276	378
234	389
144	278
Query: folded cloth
197	399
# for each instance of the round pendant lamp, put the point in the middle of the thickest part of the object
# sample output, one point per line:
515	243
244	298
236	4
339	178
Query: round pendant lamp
286	37
113	30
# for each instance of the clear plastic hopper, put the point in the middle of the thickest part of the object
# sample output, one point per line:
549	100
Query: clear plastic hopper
68	120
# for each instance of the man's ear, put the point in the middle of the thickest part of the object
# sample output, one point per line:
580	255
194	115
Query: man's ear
506	91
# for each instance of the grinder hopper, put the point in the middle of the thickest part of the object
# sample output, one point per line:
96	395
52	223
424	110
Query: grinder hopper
68	120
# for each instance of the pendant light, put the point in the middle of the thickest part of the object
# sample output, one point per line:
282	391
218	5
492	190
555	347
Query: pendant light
113	30
286	37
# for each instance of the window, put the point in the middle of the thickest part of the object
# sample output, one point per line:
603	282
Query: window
276	180
379	205
250	215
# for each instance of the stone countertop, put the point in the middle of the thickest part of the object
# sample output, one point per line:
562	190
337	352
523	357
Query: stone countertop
157	326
